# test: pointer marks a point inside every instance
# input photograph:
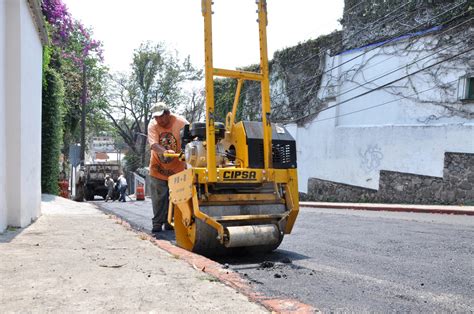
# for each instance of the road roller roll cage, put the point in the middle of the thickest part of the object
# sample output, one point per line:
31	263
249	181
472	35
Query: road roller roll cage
241	76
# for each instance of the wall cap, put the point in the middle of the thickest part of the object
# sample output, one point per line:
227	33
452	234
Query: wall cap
37	14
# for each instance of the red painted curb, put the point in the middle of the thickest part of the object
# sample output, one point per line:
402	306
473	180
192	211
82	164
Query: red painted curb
393	209
226	276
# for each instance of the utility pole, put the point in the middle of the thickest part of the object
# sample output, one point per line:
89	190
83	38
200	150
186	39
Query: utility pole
83	114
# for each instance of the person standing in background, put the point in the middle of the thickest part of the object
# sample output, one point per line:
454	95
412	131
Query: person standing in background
109	183
122	186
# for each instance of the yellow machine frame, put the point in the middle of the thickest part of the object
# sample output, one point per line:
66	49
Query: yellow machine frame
186	200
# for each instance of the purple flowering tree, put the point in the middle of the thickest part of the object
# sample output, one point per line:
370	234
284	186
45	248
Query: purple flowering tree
78	58
70	36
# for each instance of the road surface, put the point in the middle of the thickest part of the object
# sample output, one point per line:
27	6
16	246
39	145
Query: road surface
347	260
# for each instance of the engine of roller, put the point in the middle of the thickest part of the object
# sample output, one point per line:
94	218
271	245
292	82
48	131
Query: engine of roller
250	152
240	186
194	146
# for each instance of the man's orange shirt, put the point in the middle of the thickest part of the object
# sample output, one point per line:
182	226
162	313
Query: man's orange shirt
160	167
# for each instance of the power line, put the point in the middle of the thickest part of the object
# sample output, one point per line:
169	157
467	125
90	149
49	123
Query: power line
401	34
382	104
352	35
389	83
395	70
381	76
314	76
399	79
334	45
389	14
399	68
368	50
378	46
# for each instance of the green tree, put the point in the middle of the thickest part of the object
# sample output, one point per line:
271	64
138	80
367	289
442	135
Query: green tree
156	75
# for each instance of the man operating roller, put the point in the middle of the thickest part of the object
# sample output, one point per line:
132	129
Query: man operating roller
163	137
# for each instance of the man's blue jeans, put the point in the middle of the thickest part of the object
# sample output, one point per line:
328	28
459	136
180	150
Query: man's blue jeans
122	191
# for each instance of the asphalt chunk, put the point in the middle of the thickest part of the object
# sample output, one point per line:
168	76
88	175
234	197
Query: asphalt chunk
267	264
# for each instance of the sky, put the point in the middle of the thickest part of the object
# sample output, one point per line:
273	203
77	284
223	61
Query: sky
122	25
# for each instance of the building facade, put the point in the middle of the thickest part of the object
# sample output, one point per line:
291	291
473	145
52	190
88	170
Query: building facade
22	36
103	143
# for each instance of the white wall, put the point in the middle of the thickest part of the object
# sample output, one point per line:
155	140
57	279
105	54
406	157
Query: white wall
3	205
31	88
356	155
410	134
13	111
23	52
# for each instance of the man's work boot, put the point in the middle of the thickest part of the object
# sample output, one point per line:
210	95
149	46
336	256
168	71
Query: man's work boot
156	229
167	226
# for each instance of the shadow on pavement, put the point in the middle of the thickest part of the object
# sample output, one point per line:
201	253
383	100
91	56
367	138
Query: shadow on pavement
277	256
48	197
9	234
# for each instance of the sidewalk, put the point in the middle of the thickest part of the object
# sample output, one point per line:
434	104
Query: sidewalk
75	258
434	209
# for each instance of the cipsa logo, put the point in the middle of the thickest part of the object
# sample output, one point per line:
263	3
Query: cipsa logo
246	175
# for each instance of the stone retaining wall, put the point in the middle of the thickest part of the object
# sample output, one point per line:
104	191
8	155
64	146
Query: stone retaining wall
328	191
398	187
455	188
458	177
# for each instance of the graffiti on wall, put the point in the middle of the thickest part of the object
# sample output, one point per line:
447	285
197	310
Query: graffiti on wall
371	158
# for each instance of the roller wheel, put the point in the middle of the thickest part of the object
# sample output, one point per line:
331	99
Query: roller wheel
201	238
198	238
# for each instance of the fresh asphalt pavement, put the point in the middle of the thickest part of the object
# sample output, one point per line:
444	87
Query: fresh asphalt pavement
347	260
137	213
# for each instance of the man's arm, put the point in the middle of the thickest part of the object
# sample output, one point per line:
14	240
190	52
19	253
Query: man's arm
153	140
158	148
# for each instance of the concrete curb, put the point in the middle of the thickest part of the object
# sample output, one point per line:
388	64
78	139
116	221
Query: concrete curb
430	209
226	276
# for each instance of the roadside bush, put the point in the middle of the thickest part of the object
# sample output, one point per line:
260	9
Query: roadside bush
51	130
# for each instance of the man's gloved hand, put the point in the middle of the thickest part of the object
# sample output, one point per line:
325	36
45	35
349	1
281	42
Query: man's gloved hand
167	159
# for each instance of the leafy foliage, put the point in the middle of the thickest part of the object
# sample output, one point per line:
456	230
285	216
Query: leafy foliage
292	67
156	75
52	129
75	54
224	94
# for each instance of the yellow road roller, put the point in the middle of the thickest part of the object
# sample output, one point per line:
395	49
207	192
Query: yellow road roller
240	186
